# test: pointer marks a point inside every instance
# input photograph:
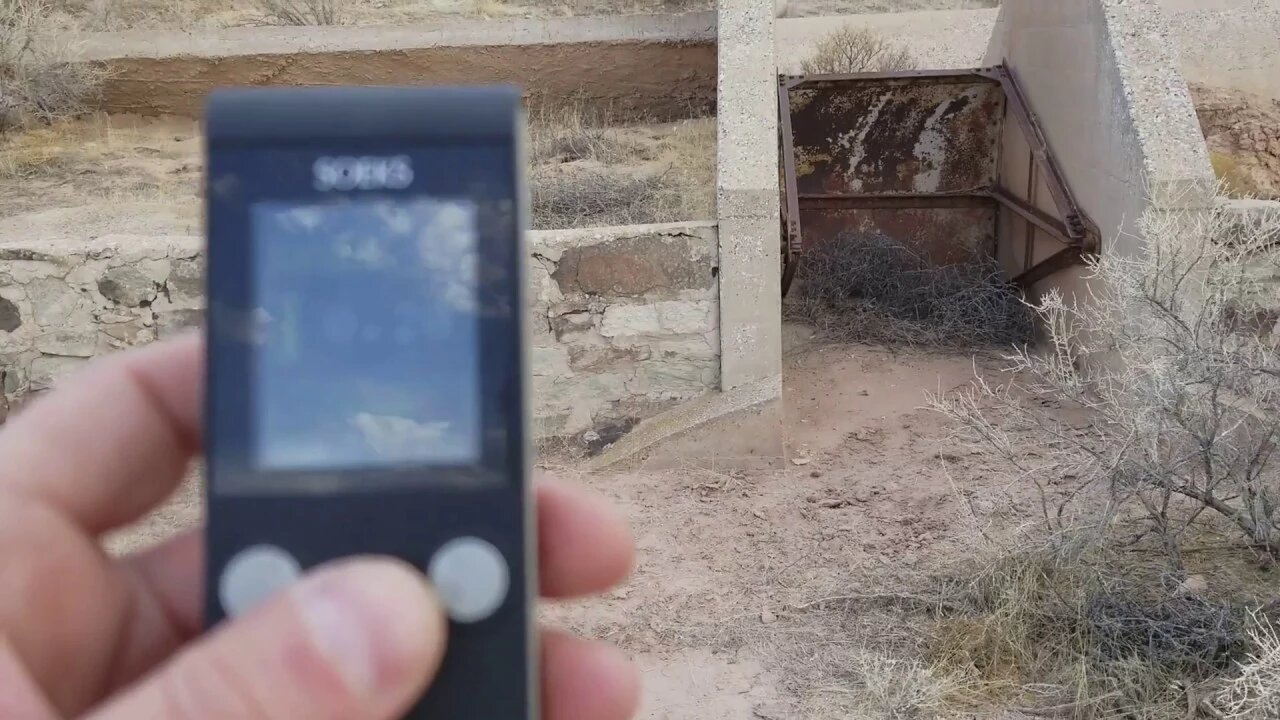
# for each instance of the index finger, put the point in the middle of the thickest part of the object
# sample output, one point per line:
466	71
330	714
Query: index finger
113	440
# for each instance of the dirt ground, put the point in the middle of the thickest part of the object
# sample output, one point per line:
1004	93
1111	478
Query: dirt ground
1243	132
723	611
109	15
134	175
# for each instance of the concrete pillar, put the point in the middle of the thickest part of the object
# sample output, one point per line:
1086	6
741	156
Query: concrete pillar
747	197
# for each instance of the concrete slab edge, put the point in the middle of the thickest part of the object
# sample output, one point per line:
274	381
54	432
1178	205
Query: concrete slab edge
448	33
685	417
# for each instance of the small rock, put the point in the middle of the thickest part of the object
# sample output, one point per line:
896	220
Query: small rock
839	503
770	711
758	513
812	499
800	461
127	286
767	616
590	436
815	474
863	393
1193	585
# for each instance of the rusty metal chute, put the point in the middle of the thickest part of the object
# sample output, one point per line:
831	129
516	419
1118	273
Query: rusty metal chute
949	163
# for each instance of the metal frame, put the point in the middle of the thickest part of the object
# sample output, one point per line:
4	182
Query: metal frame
1076	232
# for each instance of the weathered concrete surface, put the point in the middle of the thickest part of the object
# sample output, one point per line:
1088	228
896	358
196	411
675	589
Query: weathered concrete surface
660	67
747	194
723	429
1229	43
747	208
1100	76
624	319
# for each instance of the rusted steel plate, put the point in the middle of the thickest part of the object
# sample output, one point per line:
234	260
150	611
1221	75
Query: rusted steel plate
941	236
896	135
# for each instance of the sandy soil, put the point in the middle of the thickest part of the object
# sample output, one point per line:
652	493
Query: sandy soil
815	8
720	612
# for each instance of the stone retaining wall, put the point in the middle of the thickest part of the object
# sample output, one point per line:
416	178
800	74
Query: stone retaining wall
61	305
625	324
624	319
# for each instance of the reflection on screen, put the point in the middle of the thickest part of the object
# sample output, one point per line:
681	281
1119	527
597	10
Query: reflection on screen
367	334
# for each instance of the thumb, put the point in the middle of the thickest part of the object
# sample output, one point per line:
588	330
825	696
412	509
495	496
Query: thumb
357	640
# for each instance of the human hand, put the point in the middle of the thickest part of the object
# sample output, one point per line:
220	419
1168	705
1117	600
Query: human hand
86	635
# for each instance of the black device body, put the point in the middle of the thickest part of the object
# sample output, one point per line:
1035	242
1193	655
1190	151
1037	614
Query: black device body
369	394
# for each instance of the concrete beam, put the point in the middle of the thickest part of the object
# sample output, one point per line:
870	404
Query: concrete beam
747	196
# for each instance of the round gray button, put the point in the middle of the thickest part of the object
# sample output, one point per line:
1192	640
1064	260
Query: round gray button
253	575
471	577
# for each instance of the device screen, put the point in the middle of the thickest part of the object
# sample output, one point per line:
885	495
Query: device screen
366	334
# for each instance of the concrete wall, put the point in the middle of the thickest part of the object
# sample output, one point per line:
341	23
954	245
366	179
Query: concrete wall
655	66
1101	76
625	319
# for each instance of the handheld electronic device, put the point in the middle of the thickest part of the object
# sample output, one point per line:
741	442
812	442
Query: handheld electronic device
366	360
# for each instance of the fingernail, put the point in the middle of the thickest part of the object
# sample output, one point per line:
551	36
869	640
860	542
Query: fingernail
350	613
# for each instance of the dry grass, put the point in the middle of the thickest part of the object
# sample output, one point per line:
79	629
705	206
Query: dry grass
1073	627
114	15
305	12
1255	693
870	289
856	50
84	162
588	174
59	147
855	657
40	78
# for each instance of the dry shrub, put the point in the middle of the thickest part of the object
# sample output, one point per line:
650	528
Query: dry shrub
572	133
1255	693
855	656
304	12
1069	628
587	173
864	287
1170	365
32	152
40	78
896	689
856	50
599	197
1173	357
